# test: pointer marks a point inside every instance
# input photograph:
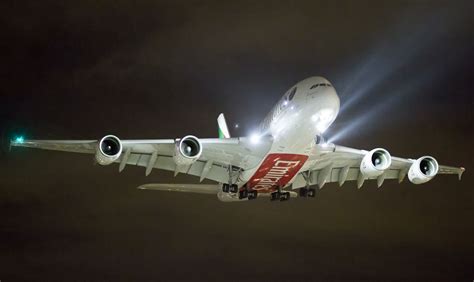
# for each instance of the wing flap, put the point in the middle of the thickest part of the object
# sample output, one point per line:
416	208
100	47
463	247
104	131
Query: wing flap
216	172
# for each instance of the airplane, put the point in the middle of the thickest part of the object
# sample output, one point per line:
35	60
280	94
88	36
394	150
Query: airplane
284	159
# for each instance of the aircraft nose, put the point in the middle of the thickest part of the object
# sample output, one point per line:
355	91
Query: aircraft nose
332	100
323	107
324	98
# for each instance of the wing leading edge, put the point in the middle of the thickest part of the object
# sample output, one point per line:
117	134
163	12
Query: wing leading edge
333	163
217	154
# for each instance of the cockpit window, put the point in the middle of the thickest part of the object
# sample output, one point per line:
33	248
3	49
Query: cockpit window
292	94
320	84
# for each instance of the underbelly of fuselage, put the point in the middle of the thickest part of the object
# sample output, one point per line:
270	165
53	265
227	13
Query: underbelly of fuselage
276	171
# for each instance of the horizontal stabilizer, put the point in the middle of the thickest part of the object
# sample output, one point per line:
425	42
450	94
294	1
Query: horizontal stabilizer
192	188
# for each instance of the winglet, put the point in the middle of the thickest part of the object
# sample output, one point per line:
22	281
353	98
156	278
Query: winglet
461	171
223	130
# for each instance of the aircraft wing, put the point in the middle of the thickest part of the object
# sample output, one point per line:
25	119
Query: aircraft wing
333	163
212	189
217	154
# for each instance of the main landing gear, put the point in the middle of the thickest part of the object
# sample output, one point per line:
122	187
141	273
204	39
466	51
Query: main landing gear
243	193
307	192
230	188
279	195
249	194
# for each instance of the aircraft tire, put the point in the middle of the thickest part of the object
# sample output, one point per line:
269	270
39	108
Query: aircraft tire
233	188
225	188
285	196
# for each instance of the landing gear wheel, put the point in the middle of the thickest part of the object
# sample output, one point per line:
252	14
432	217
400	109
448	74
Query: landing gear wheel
243	194
303	192
233	188
274	196
225	188
311	192
252	195
285	196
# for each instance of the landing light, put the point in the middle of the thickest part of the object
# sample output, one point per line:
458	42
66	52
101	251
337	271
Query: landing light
322	126
255	138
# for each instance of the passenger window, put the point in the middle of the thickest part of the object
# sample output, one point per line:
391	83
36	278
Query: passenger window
292	94
314	86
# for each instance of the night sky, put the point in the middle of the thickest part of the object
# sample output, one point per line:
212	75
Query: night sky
156	69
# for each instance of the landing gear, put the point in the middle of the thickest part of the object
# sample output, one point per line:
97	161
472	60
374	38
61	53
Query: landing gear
230	188
249	194
285	196
303	193
307	192
233	188
278	195
252	195
225	188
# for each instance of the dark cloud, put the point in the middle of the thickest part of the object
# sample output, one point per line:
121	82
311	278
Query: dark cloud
161	69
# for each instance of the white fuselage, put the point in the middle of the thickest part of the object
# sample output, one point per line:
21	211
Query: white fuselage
305	111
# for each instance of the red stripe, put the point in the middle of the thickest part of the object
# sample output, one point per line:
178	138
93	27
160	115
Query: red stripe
276	171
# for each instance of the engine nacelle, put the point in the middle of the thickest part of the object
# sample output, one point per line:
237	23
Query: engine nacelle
109	150
375	162
423	170
187	150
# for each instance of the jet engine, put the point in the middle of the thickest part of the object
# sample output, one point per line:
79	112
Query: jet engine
187	150
375	162
423	170
109	150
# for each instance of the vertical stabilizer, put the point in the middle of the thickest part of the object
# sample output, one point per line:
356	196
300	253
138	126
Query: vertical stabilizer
223	130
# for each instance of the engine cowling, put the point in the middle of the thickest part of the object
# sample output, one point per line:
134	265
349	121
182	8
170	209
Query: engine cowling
375	162
109	150
187	150
423	170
